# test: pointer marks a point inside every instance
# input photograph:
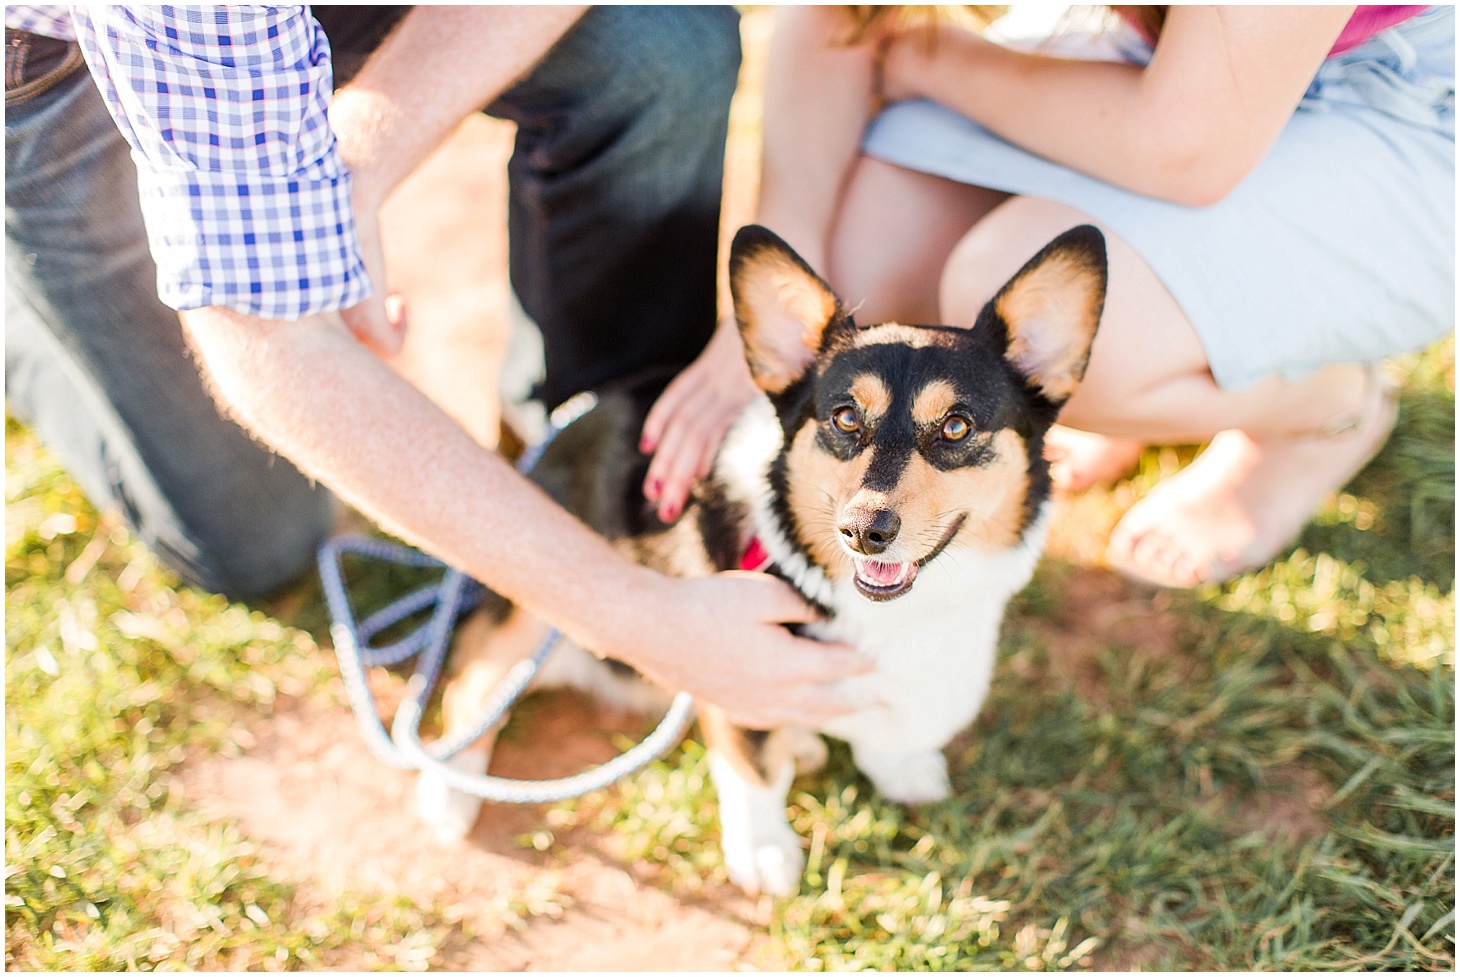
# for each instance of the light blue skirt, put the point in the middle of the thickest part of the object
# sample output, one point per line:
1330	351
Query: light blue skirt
1338	247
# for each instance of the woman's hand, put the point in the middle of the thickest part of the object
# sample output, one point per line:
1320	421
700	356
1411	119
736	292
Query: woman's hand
686	424
902	57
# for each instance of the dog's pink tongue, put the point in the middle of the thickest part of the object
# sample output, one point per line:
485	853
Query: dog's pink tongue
883	574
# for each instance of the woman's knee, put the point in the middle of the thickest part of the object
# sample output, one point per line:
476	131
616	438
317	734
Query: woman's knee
895	231
994	249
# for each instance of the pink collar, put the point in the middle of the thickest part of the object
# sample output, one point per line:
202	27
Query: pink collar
755	557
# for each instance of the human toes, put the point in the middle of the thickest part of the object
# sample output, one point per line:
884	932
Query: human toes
1079	460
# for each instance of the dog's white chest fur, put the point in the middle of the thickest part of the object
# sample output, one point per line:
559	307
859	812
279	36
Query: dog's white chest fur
935	646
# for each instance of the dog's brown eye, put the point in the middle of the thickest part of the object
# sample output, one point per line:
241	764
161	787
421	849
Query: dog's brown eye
846	420
955	429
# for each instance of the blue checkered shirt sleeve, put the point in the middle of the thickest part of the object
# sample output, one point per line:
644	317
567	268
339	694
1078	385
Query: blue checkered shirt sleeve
244	193
48	21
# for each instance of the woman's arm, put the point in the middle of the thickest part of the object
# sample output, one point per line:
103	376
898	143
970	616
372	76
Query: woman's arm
818	98
1187	128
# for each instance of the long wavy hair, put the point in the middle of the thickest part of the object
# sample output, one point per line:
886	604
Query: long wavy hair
867	21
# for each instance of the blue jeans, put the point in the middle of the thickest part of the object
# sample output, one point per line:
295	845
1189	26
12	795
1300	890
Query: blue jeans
613	226
614	190
98	367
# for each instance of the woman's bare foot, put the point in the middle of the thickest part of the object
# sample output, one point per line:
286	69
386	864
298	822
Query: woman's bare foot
1080	459
1243	499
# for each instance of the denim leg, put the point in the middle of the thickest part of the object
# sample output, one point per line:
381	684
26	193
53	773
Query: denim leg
98	366
615	187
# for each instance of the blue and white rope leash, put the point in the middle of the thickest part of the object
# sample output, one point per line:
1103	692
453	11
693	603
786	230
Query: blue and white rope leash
455	594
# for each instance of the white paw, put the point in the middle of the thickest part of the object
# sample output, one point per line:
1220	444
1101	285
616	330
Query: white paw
762	853
450	814
908	778
770	863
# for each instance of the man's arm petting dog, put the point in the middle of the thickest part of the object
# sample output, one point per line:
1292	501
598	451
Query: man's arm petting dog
892	473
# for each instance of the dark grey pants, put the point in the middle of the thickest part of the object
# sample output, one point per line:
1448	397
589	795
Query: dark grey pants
614	208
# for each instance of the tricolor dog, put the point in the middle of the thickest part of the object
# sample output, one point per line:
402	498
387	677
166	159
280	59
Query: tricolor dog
891	473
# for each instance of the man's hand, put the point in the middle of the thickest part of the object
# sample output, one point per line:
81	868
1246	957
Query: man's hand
722	639
380	321
393	114
686	424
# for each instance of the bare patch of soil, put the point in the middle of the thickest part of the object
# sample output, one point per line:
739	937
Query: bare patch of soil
1098	609
1290	805
334	820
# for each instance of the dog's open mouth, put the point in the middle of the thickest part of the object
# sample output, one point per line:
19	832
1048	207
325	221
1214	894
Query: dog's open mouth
882	580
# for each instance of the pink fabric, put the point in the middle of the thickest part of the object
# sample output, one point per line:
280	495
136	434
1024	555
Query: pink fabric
1368	21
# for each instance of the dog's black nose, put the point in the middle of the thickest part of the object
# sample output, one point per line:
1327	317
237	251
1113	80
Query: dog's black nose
869	532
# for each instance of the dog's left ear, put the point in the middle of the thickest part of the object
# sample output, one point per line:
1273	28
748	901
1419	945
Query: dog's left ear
1051	309
782	306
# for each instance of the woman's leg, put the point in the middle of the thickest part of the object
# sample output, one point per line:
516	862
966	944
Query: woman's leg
892	236
1262	478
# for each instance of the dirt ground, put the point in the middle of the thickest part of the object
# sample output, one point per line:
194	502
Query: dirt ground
335	821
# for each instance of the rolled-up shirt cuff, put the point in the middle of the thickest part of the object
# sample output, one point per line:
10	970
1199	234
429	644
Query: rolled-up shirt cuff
276	250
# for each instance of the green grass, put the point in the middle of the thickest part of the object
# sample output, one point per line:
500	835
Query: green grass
114	673
1260	776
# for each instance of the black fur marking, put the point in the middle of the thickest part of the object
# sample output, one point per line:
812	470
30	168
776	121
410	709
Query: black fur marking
720	522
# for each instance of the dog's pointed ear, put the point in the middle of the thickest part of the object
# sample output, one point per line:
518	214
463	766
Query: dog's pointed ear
782	306
1051	309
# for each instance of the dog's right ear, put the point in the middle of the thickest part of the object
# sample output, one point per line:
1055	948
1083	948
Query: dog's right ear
782	306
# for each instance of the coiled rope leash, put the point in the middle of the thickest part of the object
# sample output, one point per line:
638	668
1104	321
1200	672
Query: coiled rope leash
452	596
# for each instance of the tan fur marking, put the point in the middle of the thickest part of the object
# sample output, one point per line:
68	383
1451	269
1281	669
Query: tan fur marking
482	653
819	485
893	332
1052	312
783	312
927	500
992	495
932	402
757	764
871	395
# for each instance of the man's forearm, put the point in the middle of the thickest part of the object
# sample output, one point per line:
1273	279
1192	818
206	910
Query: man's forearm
440	65
316	395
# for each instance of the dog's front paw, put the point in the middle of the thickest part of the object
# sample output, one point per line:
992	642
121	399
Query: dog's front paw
908	778
449	813
769	861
